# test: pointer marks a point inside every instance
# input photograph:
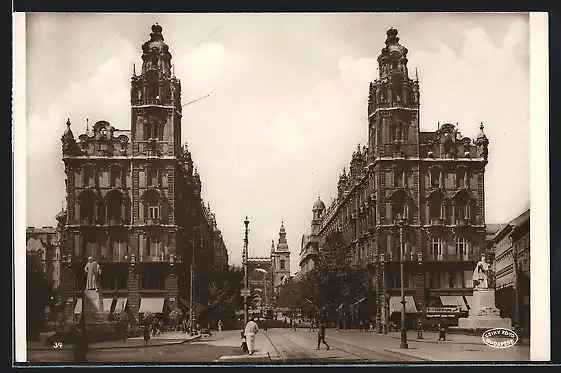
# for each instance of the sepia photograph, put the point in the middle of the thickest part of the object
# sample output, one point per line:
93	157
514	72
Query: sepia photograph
279	188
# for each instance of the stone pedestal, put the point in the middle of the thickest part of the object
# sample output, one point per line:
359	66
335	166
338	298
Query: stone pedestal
483	313
93	307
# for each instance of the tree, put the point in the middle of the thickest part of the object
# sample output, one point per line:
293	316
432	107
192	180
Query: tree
225	294
334	280
39	294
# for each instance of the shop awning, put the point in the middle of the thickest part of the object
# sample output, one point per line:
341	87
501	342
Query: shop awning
107	303
469	300
120	305
410	306
153	305
197	306
78	308
453	300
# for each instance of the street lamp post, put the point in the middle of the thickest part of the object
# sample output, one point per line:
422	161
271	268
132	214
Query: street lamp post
403	343
265	273
246	278
192	292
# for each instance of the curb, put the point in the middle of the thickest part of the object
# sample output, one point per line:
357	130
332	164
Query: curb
403	354
120	347
439	342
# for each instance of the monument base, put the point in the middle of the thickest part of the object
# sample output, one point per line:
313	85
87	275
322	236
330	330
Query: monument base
483	314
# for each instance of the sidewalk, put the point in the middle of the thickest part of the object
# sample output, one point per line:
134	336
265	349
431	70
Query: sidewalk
459	348
167	338
432	337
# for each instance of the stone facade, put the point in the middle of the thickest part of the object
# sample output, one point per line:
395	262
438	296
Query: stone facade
134	200
420	192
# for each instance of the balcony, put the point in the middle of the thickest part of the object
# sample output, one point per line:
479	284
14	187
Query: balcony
116	221
155	258
463	222
437	222
88	221
114	257
469	257
153	221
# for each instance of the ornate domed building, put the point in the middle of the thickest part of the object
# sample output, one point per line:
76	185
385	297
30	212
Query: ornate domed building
134	201
408	196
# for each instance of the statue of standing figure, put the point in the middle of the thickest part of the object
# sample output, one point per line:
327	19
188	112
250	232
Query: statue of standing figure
481	274
93	270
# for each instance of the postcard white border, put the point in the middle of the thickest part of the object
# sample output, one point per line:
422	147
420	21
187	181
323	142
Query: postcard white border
19	141
540	325
540	348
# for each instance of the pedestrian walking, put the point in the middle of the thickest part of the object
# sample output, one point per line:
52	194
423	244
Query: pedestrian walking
251	329
441	331
265	324
321	334
420	328
146	333
219	325
311	325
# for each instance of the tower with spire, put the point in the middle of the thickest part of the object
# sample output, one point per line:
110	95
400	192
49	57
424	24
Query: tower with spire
134	200
409	195
280	258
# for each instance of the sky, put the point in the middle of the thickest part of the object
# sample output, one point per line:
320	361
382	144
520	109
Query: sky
287	103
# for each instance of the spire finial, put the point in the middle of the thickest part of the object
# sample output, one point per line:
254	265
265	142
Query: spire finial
68	123
133	69
416	75
438	125
481	126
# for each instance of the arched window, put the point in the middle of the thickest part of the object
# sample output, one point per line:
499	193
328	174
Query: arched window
89	175
399	205
152	202
153	177
436	177
462	248
115	207
88	204
436	248
282	265
399	178
461	178
436	204
116	176
461	208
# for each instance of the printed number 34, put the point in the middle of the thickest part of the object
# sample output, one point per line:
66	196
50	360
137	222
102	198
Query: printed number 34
57	344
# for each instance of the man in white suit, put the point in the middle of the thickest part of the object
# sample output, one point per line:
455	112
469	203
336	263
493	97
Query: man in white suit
251	330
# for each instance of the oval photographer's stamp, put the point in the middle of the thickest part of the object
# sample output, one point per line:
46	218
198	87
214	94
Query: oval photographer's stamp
499	338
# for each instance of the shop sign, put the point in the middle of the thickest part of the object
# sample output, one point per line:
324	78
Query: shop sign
444	309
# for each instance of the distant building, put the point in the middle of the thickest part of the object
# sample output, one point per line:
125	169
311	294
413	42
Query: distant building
512	267
276	266
310	243
44	243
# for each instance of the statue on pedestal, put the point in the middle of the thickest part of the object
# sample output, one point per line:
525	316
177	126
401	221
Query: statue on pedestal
93	270
481	274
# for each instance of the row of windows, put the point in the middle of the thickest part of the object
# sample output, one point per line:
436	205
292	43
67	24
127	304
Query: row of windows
119	280
115	207
436	178
433	280
148	246
436	249
92	177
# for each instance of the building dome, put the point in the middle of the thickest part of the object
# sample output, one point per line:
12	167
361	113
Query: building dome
61	216
319	205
